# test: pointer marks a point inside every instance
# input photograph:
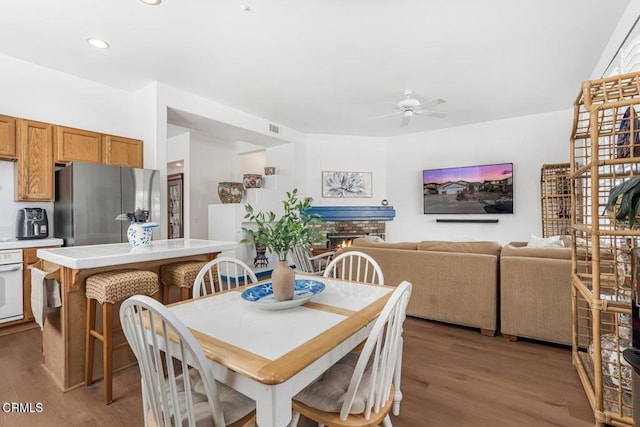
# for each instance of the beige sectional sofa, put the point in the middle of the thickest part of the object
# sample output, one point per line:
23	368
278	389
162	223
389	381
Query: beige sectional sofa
454	282
535	293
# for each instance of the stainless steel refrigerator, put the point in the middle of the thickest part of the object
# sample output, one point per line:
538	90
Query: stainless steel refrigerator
90	196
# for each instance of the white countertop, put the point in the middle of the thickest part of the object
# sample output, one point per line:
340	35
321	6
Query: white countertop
93	256
32	243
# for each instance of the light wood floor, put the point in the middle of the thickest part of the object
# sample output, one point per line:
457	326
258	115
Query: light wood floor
452	376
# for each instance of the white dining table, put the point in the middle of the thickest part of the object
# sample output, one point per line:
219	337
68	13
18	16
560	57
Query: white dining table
271	355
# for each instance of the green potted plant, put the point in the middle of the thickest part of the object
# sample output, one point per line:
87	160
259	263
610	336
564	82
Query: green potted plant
629	206
294	227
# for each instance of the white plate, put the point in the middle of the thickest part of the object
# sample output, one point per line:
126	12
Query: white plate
261	295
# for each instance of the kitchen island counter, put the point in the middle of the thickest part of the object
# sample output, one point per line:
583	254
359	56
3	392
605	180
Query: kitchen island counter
80	257
63	335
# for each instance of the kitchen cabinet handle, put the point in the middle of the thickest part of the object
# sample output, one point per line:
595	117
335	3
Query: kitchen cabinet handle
13	267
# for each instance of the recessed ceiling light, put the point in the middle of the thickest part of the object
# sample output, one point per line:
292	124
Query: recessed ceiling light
97	43
151	2
245	7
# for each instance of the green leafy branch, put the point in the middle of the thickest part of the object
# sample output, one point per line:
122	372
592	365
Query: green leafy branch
294	227
629	205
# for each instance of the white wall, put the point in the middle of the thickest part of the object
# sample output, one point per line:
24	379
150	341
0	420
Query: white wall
149	121
275	187
346	153
252	162
38	93
170	97
218	165
178	147
208	164
528	142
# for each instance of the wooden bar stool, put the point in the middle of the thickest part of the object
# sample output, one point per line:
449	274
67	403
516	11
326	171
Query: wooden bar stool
181	274
109	288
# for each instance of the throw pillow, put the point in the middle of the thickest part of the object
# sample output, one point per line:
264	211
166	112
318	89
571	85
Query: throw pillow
545	242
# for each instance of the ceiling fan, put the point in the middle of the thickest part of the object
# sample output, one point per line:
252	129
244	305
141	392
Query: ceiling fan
409	107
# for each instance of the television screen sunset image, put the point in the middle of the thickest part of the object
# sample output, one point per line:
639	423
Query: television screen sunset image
486	189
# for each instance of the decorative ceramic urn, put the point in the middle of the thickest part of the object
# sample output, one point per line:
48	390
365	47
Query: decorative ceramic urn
252	180
139	233
230	192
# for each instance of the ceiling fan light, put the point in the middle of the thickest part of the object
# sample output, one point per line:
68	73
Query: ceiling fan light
409	103
98	43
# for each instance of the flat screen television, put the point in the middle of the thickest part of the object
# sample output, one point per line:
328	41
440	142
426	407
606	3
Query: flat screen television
484	189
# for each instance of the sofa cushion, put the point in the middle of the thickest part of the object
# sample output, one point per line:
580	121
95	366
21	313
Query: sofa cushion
362	242
518	249
566	240
545	242
459	288
487	248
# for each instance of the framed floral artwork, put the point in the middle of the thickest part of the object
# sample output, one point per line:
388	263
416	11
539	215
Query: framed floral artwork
346	184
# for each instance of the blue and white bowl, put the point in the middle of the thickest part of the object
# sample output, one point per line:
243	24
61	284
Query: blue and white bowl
262	295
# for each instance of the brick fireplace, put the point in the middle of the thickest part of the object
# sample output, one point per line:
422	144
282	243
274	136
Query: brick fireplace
349	222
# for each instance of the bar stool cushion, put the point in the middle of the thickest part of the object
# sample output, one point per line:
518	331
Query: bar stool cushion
118	285
182	273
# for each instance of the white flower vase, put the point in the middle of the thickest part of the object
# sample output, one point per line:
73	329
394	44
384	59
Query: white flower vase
139	233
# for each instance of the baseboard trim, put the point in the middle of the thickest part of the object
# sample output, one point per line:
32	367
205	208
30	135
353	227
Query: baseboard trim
18	327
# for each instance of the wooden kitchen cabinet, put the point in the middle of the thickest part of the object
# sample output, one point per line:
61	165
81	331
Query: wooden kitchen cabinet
76	145
8	149
35	171
122	151
39	146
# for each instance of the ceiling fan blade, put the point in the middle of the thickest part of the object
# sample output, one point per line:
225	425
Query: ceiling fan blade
405	120
386	115
395	104
435	101
432	113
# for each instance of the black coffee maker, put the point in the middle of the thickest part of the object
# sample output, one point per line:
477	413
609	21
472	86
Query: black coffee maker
32	223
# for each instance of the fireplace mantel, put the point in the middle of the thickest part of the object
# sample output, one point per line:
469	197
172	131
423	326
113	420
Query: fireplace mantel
354	213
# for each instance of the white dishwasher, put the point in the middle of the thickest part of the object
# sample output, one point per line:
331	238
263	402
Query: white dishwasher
11	285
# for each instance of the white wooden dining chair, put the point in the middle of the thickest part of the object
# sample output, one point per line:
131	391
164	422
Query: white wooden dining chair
305	263
188	393
368	377
226	273
355	266
361	267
